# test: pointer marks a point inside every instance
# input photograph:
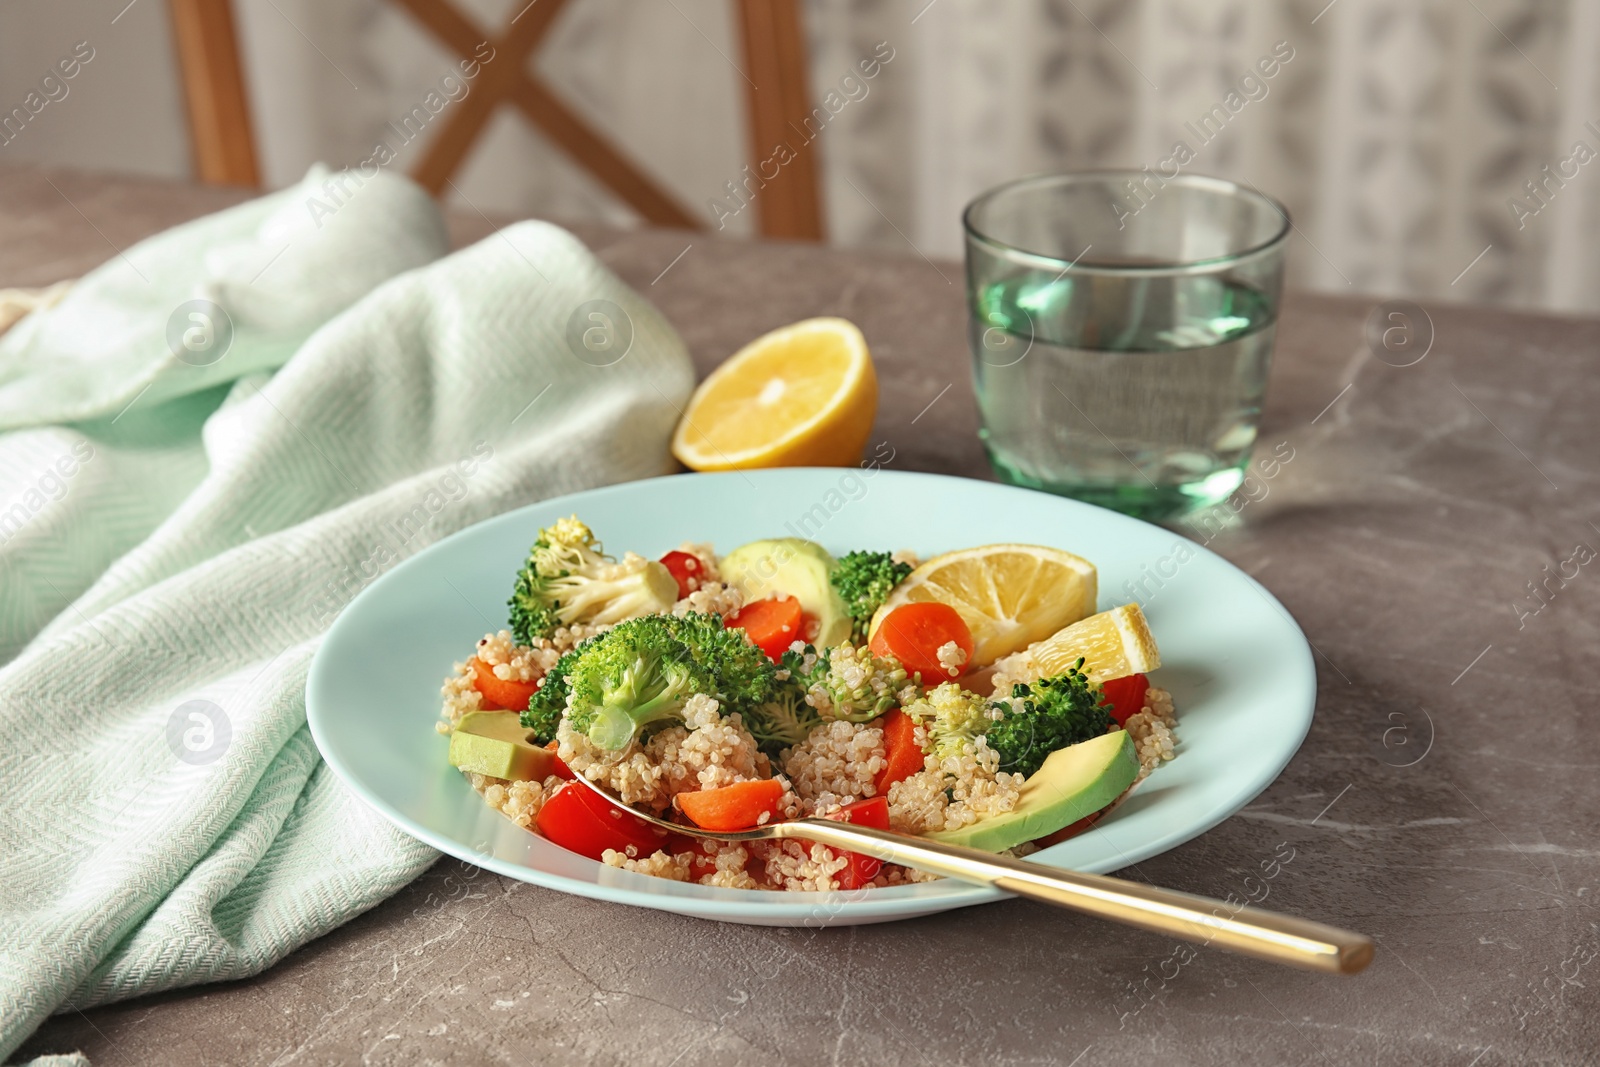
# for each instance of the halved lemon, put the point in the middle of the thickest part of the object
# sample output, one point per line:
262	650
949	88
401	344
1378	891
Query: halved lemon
1113	644
1009	595
801	396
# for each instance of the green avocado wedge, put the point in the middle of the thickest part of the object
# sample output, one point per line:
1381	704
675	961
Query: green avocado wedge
496	744
789	566
1073	782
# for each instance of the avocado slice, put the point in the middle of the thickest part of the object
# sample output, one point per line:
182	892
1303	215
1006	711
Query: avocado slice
1073	782
496	743
789	566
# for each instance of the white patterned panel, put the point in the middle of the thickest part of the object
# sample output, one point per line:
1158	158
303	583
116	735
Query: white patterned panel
1571	275
1398	135
863	151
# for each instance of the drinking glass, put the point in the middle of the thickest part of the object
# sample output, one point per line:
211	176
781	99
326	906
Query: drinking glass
1120	326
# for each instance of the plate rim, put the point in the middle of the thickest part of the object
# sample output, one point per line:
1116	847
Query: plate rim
765	907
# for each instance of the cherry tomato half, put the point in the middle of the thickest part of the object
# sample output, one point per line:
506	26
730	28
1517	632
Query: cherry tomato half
582	822
1125	696
873	812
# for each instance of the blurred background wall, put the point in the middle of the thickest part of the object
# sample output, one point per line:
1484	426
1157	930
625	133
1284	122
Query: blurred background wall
1402	135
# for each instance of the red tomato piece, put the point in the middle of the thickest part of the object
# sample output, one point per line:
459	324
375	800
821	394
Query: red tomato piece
903	756
686	568
873	812
702	863
1125	696
589	827
914	633
771	625
561	770
648	838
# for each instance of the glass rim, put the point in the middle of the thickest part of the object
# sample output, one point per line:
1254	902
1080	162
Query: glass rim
1192	266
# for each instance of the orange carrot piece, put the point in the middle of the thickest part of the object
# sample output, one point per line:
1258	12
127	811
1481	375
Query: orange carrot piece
771	625
733	807
914	633
902	755
500	694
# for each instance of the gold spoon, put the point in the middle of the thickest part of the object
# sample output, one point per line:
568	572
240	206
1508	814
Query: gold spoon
1250	931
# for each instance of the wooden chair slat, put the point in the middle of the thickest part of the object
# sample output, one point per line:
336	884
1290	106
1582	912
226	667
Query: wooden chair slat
222	140
773	42
775	61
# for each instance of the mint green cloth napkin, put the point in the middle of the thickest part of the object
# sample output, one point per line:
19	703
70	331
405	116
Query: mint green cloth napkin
182	545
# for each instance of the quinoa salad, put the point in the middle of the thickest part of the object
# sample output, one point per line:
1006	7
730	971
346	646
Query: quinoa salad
779	682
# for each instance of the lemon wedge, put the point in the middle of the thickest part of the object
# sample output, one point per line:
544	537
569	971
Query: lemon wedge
803	395
1113	644
1009	595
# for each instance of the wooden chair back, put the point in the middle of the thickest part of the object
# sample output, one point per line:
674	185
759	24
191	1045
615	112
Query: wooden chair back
774	71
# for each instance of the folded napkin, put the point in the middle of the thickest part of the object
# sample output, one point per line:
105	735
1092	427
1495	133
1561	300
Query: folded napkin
180	549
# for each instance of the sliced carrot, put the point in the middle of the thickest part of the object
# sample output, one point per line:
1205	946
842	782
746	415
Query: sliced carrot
902	755
913	634
500	694
771	625
733	807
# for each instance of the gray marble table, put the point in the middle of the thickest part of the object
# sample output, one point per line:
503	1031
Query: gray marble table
1420	504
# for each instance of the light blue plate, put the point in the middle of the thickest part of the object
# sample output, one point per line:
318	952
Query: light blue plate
1239	669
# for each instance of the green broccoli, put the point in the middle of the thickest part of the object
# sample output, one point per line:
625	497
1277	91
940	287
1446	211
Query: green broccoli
849	683
782	722
954	718
864	581
568	579
643	671
550	699
743	674
1047	715
816	687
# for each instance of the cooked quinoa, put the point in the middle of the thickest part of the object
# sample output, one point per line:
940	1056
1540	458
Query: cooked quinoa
712	597
1009	670
1152	729
953	792
706	558
838	763
518	801
510	662
835	765
709	751
952	657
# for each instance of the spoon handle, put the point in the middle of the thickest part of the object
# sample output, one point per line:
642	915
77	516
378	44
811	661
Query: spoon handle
1251	931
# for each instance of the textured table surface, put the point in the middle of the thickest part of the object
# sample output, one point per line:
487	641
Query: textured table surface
1445	800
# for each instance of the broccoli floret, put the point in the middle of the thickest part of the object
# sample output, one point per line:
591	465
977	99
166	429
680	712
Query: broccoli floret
542	717
782	722
744	676
644	670
1047	715
568	579
954	718
550	699
816	687
864	581
846	682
